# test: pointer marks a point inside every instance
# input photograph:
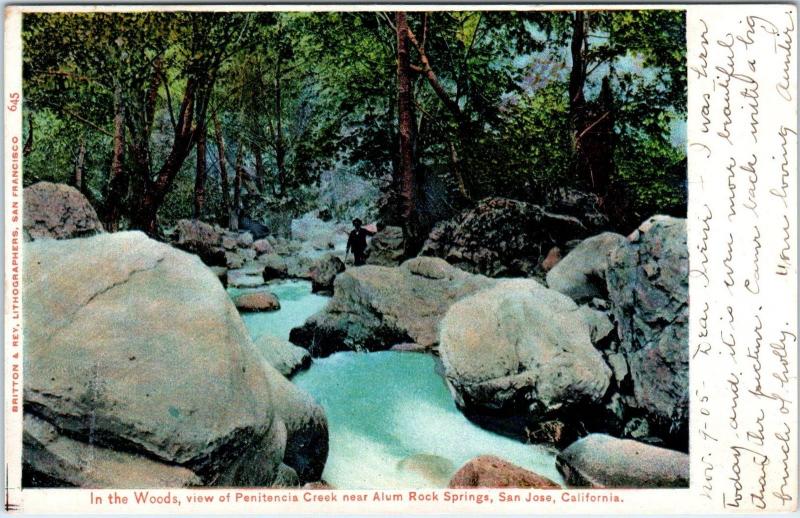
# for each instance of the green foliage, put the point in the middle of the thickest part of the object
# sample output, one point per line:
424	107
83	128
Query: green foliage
316	92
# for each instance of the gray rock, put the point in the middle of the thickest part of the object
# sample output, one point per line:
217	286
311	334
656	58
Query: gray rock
229	241
57	211
386	247
286	357
375	307
602	461
133	346
244	240
324	272
519	348
274	267
581	275
54	460
648	290
262	246
222	274
201	239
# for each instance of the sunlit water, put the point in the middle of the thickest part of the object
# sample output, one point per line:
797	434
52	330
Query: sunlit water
393	424
391	419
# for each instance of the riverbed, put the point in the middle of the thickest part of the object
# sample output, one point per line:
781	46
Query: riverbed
391	419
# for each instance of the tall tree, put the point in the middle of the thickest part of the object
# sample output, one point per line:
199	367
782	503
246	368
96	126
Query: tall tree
406	131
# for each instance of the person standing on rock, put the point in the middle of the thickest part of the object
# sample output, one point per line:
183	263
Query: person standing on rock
357	242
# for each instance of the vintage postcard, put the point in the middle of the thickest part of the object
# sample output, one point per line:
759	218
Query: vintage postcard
346	259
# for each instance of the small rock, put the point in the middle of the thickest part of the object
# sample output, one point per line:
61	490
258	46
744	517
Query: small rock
244	240
274	267
228	242
258	300
234	260
552	259
262	246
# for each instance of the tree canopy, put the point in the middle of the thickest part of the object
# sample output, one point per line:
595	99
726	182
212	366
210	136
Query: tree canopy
160	116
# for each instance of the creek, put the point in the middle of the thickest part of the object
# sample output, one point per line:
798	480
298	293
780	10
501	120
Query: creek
391	419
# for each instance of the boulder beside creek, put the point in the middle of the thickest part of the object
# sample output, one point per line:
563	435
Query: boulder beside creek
57	211
500	237
139	369
376	307
648	287
518	356
602	461
323	273
581	275
286	357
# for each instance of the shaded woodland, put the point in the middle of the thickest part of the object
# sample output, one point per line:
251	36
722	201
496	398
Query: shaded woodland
231	116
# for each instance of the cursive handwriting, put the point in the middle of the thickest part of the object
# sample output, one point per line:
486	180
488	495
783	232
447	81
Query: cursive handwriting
703	55
786	46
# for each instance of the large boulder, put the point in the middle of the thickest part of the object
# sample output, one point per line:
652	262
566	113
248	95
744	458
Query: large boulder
51	459
57	211
501	237
581	275
201	239
386	247
518	356
602	461
133	346
323	273
375	307
493	472
286	357
647	282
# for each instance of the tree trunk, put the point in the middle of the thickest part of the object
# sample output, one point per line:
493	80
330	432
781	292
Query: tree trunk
233	223
280	147
406	127
593	122
78	178
577	76
119	181
145	217
223	171
200	174
462	121
259	169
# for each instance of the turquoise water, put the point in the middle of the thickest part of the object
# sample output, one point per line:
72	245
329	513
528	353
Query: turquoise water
297	304
391	419
393	424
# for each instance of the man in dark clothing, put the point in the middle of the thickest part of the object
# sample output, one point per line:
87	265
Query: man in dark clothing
357	242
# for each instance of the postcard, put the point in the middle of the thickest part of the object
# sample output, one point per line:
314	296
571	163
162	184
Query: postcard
348	259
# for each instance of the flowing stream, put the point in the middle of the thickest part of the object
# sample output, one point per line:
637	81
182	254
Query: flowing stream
391	419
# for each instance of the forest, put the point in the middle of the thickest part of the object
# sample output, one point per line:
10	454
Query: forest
218	116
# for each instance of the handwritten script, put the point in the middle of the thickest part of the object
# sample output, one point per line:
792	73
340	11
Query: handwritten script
743	238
